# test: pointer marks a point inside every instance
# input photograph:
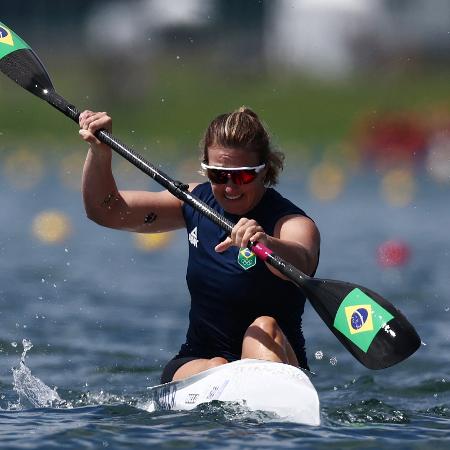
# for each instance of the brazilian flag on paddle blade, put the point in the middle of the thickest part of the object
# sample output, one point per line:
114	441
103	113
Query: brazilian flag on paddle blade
9	41
360	318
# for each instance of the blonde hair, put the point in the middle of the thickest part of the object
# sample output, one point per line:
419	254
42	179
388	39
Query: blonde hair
242	129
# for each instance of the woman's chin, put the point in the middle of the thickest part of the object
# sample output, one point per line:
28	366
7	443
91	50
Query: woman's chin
237	207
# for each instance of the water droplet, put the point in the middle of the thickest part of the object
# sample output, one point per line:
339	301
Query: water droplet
318	354
14	344
27	344
333	361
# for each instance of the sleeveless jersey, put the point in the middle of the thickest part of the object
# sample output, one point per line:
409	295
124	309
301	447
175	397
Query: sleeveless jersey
228	290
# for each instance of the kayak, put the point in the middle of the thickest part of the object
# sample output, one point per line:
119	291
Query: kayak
277	388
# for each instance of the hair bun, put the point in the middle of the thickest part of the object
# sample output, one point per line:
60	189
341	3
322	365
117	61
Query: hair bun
245	110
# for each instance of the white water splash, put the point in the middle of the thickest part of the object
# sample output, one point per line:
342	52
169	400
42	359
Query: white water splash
32	389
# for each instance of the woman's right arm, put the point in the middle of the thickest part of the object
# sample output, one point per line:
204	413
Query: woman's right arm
140	211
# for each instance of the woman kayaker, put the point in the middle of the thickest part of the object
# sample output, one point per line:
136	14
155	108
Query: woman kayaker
240	307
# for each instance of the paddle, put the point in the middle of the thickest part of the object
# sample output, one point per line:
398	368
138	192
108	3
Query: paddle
370	328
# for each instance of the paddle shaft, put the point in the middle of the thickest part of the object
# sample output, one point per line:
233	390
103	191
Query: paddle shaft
177	188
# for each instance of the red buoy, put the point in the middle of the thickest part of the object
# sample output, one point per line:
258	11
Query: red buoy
393	253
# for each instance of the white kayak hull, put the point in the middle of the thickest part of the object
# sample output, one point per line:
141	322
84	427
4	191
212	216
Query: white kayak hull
258	385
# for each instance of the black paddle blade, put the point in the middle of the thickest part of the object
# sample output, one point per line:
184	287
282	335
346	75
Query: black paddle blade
372	329
25	69
19	62
22	65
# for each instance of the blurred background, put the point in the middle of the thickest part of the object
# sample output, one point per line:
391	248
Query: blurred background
344	86
357	81
355	93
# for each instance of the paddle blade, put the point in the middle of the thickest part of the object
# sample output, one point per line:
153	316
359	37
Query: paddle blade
376	333
19	62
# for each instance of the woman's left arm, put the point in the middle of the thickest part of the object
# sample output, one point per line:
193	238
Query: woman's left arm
297	240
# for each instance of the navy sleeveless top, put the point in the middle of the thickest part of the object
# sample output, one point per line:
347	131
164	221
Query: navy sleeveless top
226	296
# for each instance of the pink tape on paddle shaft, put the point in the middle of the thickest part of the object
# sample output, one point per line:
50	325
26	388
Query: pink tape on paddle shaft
261	251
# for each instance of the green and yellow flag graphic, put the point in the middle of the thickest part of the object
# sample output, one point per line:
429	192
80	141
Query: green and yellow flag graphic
246	258
9	41
359	318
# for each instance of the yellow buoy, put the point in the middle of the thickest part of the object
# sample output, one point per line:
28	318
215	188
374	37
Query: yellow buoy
326	181
150	242
398	186
51	227
23	169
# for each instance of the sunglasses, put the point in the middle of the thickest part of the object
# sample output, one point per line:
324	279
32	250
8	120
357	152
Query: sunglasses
238	175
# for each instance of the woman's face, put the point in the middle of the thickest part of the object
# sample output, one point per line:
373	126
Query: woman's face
234	198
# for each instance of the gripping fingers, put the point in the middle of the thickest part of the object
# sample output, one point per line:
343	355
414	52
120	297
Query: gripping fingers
246	231
243	232
90	122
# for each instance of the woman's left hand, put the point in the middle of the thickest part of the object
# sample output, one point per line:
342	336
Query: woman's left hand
244	231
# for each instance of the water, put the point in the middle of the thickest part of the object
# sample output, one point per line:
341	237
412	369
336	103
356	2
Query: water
100	318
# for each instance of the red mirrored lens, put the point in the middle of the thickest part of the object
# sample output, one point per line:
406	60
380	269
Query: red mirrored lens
218	176
244	176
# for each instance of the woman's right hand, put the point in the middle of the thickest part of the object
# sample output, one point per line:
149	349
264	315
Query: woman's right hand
90	122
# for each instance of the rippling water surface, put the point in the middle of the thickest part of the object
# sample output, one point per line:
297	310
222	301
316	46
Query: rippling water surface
100	317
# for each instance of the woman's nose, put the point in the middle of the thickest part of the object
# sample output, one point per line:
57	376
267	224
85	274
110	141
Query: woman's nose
230	184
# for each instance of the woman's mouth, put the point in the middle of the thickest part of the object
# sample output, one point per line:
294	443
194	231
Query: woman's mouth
232	197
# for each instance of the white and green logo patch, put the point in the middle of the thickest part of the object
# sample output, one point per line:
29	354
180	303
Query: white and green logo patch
246	258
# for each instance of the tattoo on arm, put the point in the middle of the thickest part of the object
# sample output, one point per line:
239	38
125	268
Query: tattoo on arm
108	199
150	218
